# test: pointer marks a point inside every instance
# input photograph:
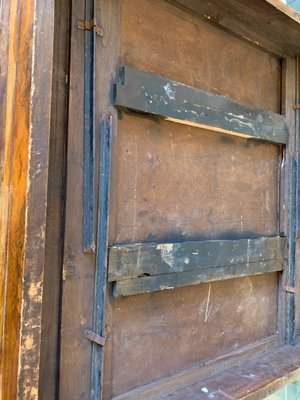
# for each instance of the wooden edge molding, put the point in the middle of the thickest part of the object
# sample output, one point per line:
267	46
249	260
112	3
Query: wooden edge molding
140	268
173	101
203	370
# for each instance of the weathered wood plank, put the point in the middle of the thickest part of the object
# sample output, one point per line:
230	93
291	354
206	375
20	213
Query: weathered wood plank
184	104
134	261
170	281
247	20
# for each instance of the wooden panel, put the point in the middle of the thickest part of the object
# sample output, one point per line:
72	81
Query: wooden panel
188	50
184	104
270	24
133	261
238	312
251	381
202	371
178	183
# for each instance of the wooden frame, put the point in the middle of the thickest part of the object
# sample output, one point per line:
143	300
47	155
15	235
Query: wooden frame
78	270
24	189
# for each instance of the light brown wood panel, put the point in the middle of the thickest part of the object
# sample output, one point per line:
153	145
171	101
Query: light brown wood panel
162	39
182	183
156	335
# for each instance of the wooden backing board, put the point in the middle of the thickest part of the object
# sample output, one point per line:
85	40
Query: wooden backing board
177	183
173	101
270	25
201	322
186	49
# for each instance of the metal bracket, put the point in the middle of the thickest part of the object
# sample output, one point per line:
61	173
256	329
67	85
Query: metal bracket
89	25
289	289
94	337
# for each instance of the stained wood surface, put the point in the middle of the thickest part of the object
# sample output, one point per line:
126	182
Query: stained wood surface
177	183
173	101
7	15
41	33
269	25
184	319
188	50
24	192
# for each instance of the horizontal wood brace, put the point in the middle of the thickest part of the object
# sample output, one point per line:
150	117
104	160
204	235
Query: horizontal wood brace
173	101
140	268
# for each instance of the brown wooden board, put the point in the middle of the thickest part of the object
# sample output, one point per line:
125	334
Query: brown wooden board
178	183
173	101
7	81
156	335
24	193
188	50
269	25
49	373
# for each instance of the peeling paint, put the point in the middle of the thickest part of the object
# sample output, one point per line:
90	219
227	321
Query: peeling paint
167	253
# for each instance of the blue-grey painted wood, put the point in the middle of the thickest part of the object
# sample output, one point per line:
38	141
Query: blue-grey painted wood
152	94
101	256
141	268
89	131
291	172
169	281
136	260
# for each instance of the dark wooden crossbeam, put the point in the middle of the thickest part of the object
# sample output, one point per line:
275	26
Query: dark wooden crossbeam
173	101
141	268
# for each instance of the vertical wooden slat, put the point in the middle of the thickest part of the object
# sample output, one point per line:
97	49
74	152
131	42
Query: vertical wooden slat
9	38
24	192
36	195
49	373
79	266
89	130
101	258
290	173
